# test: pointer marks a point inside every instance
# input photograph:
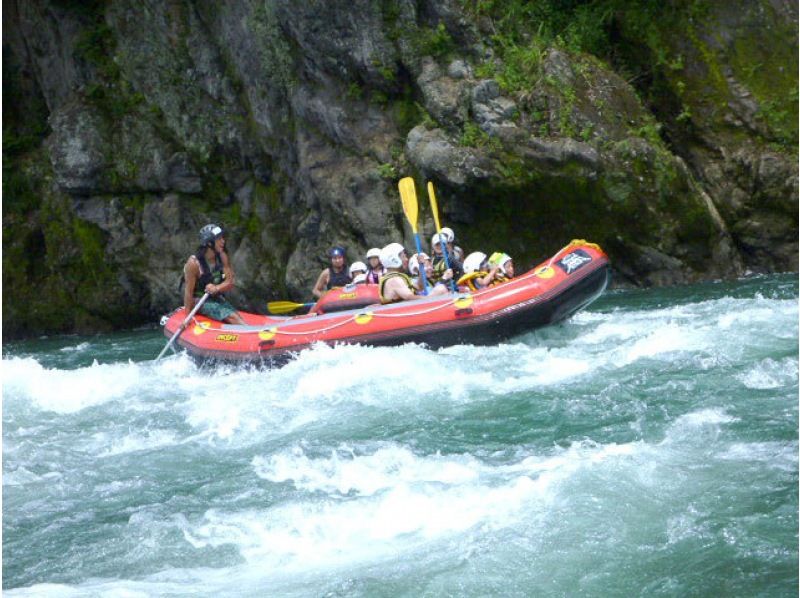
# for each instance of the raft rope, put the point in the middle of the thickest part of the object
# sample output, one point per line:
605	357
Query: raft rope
335	325
275	330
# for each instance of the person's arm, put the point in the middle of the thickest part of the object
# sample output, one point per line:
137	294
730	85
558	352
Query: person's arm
322	282
485	280
191	271
399	289
228	283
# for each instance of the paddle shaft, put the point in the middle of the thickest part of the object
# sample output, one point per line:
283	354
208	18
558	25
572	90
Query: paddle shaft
183	325
435	210
421	265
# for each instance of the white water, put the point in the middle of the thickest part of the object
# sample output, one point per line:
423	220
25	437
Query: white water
616	454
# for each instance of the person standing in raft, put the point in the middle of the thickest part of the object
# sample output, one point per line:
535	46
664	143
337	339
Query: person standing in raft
396	285
335	275
210	271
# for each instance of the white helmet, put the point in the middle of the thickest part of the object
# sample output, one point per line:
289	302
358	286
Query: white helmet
390	255
448	232
438	239
473	262
500	260
358	267
374	252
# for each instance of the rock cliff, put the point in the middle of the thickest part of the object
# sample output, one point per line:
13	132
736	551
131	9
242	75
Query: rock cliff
667	134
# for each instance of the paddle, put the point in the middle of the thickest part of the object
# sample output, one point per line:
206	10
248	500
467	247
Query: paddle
435	210
284	307
183	326
408	195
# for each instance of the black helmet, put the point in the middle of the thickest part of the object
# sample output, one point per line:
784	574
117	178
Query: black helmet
210	233
334	251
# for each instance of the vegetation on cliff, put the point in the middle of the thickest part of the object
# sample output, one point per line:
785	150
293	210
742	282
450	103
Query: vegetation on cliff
667	132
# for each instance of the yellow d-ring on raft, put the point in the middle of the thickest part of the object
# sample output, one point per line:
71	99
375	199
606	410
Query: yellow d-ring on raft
201	328
364	317
545	272
463	301
268	334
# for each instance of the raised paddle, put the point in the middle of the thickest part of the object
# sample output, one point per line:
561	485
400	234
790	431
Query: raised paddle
284	307
408	195
435	210
183	325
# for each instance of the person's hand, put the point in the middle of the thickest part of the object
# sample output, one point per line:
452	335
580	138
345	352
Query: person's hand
448	274
211	289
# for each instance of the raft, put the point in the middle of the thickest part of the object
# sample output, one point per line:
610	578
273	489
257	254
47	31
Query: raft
551	292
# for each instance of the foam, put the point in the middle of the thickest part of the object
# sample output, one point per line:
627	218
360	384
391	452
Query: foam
131	443
68	391
770	373
346	472
77	348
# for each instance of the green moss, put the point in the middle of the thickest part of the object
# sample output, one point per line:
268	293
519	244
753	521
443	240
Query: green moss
474	136
276	52
436	42
407	114
387	171
769	70
354	91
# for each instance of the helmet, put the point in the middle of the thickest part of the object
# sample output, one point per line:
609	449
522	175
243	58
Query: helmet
498	258
438	239
448	232
473	262
210	233
374	252
336	251
390	255
357	267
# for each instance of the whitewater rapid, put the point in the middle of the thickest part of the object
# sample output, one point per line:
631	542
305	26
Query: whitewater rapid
646	446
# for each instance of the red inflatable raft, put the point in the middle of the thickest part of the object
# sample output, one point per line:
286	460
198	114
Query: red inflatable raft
554	290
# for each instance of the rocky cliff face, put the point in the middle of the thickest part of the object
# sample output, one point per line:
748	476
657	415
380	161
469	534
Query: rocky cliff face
668	136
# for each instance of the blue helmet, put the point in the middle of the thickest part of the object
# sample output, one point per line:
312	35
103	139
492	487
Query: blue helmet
336	251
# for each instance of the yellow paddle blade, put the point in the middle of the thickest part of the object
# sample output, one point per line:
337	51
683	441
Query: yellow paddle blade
283	307
408	195
434	207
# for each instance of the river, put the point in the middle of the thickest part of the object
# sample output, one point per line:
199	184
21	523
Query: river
646	447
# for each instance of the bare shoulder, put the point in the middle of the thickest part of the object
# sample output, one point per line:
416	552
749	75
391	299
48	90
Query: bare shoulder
191	265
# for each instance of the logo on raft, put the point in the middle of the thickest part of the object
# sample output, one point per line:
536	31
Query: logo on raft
227	338
573	261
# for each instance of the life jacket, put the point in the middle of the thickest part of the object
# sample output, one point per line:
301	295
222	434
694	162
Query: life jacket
470	280
406	278
440	267
207	275
337	279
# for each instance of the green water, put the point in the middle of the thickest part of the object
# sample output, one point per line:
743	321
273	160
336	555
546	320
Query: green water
646	447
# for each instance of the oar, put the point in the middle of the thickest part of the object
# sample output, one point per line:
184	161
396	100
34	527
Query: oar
183	325
408	195
435	210
284	307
